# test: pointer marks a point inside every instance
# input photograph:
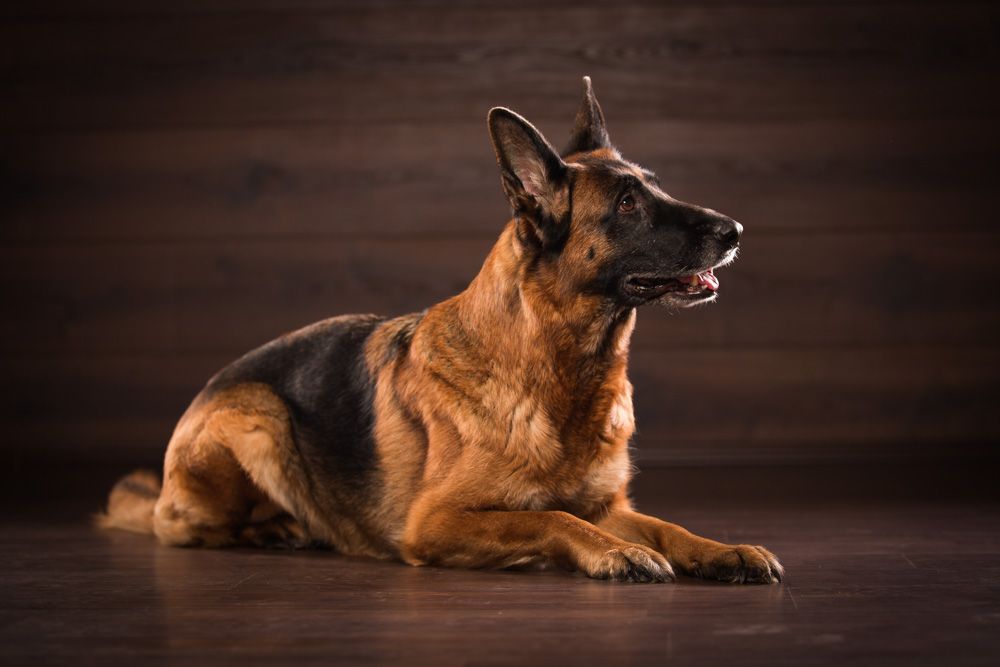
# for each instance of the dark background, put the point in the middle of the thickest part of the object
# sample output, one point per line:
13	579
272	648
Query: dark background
183	180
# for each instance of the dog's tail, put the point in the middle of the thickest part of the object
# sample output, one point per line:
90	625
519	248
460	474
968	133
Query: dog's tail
131	502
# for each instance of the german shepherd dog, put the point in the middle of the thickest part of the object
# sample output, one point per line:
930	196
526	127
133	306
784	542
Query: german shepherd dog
489	431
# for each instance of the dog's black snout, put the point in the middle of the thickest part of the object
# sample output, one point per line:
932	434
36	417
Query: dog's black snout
728	231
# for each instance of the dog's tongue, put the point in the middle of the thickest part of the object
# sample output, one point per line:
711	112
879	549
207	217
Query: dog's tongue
706	279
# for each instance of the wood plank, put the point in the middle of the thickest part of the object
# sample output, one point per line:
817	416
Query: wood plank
441	178
701	407
220	296
230	296
26	9
430	62
904	399
845	290
373	179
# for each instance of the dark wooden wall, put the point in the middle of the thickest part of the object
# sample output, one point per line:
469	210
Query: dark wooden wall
182	180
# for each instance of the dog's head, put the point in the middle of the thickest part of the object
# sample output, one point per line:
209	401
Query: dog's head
598	224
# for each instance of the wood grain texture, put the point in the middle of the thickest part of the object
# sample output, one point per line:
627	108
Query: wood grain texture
687	61
180	182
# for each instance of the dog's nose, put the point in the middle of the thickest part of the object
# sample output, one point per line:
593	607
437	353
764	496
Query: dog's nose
728	231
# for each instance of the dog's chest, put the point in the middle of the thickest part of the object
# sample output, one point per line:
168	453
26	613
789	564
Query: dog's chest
549	446
605	478
578	489
580	474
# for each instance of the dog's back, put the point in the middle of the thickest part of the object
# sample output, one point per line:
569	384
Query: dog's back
322	376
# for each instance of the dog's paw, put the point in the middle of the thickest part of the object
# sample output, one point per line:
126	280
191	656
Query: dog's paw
281	532
742	563
632	562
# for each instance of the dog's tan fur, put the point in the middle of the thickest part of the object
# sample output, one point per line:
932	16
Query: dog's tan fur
500	421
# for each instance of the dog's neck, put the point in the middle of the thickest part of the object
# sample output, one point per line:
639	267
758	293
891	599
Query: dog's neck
550	361
518	302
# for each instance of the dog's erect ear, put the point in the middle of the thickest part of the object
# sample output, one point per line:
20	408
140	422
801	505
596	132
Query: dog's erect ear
589	132
534	177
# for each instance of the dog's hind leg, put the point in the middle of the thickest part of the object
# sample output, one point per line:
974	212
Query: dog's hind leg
230	476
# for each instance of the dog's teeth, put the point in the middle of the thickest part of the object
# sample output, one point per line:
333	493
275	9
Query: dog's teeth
694	281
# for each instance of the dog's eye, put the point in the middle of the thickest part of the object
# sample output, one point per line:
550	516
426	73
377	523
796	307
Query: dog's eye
626	204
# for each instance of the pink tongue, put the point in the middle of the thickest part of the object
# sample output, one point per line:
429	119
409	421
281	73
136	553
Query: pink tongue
709	280
706	279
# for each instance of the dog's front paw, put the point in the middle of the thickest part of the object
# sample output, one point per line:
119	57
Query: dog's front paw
736	563
631	562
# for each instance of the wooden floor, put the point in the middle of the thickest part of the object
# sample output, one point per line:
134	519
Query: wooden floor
884	567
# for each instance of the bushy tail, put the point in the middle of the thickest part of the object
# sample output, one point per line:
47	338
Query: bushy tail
131	502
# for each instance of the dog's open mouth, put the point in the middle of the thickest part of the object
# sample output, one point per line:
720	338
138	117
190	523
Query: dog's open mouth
651	287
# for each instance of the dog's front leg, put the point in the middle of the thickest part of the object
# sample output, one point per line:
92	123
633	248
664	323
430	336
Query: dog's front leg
692	555
496	539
